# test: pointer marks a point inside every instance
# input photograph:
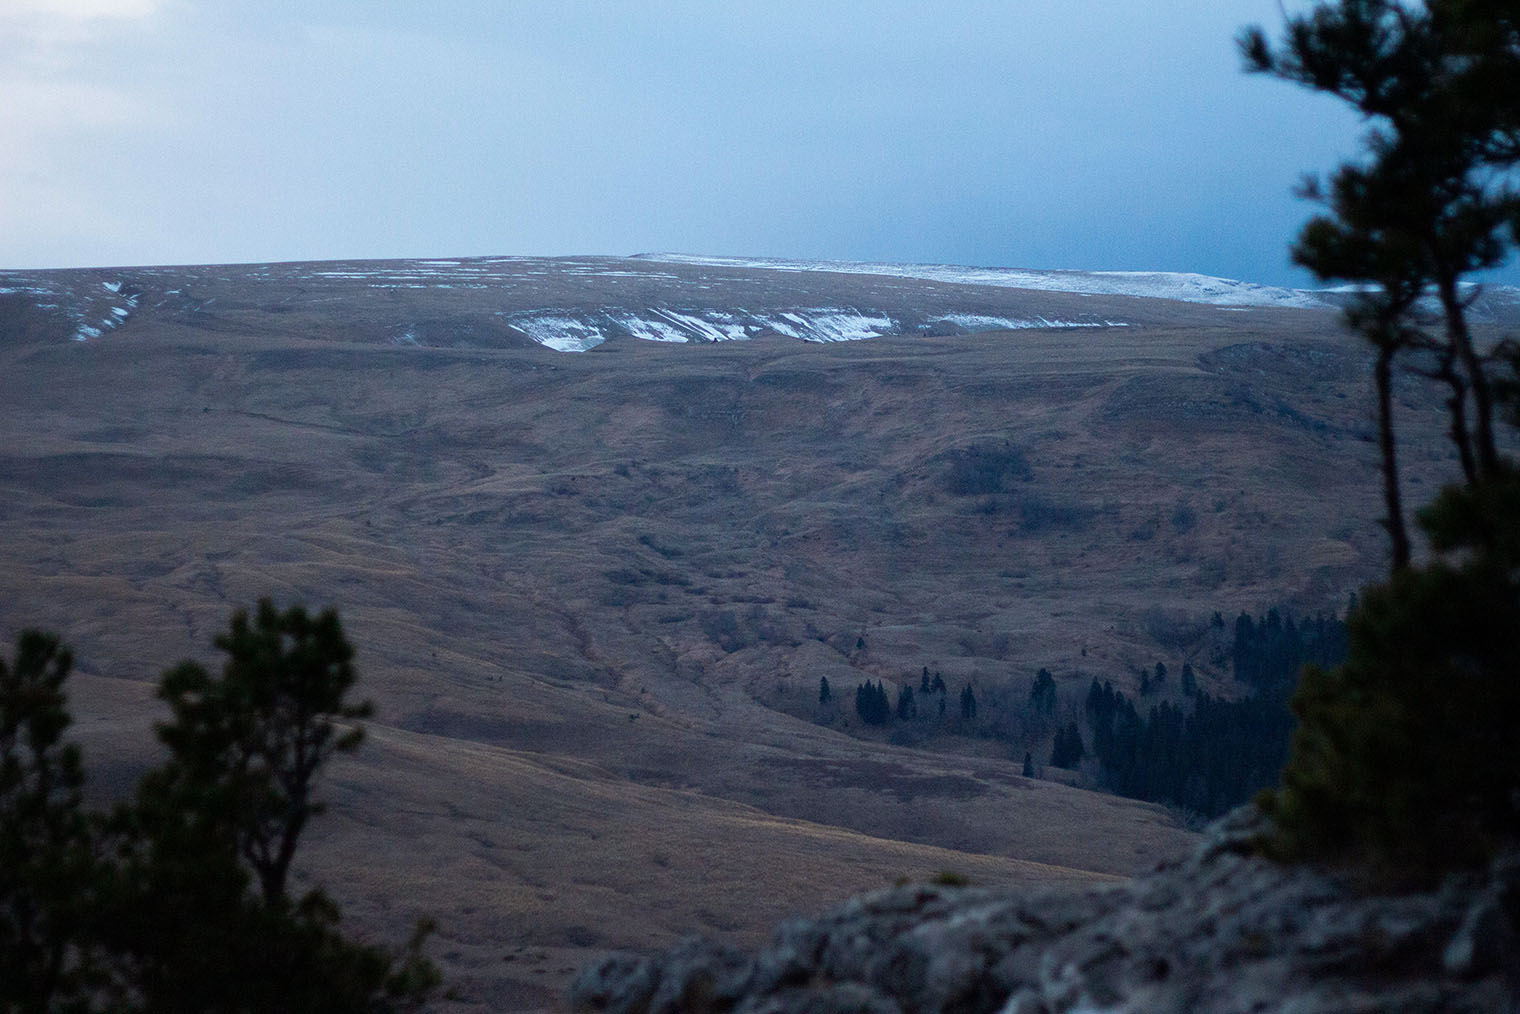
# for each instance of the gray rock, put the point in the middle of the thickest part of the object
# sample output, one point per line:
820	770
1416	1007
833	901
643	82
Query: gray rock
1221	931
1483	941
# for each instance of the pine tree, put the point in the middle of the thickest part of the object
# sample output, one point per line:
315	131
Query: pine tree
907	707
824	694
872	704
1068	750
1432	201
1042	695
175	901
968	703
45	841
1375	772
1189	681
262	731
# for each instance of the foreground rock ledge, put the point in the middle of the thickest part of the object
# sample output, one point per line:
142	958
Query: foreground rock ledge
1220	931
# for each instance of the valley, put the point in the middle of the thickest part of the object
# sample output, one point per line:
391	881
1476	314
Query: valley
594	592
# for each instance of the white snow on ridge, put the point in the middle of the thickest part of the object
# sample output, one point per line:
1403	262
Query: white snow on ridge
1185	287
841	326
563	334
697	325
100	314
977	322
570	331
651	330
567	332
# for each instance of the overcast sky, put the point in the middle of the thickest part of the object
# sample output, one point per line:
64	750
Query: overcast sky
1053	134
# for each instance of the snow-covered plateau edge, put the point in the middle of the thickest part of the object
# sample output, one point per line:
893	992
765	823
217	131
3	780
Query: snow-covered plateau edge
567	331
1180	286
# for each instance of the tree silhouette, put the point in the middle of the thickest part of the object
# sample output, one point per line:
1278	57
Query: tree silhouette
1042	695
45	842
907	707
968	703
1068	750
261	733
1430	203
1399	760
871	703
150	908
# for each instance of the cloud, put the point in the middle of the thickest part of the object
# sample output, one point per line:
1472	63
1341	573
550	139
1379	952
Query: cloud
84	10
50	34
64	111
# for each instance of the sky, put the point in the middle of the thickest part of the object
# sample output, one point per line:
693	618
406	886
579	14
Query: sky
1091	134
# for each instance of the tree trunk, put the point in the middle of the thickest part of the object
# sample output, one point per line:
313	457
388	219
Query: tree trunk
1456	405
1394	522
1460	340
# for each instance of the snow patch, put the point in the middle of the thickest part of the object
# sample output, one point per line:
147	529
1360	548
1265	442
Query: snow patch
977	322
829	325
650	330
687	324
562	334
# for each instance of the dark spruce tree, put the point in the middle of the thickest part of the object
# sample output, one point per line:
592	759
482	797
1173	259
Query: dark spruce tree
1068	750
1042	695
968	703
1211	755
907	707
871	703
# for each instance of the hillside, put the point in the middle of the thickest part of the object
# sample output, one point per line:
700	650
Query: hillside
594	593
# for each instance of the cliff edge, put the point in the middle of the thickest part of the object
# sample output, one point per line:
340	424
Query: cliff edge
1223	930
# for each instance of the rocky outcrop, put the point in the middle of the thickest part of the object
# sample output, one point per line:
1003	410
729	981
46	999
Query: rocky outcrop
1221	931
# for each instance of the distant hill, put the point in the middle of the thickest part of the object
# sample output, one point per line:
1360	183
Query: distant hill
594	595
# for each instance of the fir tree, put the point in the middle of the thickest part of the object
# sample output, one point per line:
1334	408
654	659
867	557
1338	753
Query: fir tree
1042	695
907	707
1069	749
968	703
